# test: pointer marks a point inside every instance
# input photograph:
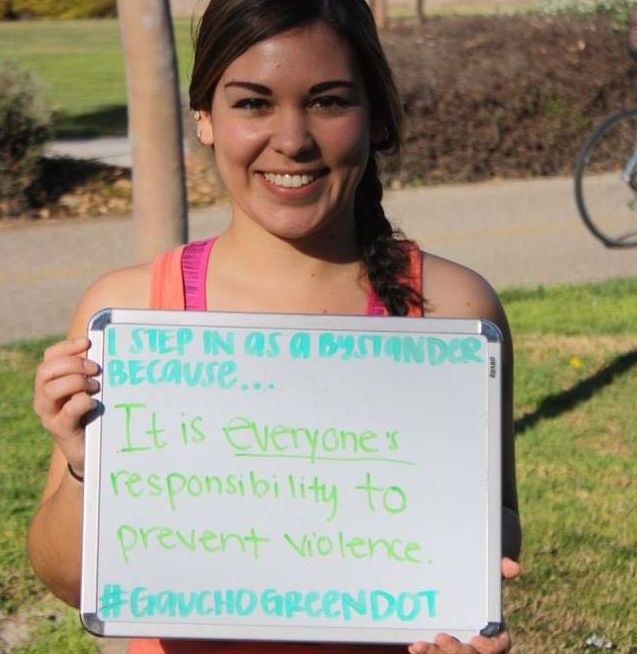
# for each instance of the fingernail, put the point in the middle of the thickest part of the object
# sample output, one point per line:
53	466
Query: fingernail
90	366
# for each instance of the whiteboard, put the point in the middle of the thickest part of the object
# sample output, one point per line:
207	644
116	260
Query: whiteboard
293	477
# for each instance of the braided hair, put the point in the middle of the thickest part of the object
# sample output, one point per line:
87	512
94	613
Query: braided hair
384	250
229	27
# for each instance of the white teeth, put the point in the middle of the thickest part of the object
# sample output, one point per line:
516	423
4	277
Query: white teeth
289	181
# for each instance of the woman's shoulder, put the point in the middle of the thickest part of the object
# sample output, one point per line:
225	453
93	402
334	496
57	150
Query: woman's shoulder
128	286
124	288
455	291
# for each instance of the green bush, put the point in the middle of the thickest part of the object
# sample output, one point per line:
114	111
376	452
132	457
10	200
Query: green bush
619	9
25	125
57	8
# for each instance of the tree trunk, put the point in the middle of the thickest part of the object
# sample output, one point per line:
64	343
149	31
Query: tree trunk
420	11
379	9
160	209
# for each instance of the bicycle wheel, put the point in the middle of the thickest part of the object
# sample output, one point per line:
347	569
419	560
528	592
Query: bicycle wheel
606	180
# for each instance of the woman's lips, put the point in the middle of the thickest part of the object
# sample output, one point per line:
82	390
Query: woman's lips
292	180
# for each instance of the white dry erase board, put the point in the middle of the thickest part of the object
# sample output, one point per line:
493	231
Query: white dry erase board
295	478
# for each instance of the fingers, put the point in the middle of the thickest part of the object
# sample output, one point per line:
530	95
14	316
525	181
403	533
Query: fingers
450	645
497	644
510	568
65	358
63	372
71	347
445	644
56	383
62	395
62	387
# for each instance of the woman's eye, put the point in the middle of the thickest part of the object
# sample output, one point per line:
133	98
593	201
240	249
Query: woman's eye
327	102
251	104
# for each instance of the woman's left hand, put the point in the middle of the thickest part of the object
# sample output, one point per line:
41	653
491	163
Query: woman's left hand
510	568
445	644
498	644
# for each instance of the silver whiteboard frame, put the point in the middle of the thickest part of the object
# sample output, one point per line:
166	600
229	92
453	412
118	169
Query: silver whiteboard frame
287	633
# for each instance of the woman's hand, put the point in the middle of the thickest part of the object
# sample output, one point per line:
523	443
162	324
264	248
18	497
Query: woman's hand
445	644
498	644
62	396
510	568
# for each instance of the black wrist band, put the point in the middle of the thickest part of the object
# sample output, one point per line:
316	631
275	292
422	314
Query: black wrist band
74	474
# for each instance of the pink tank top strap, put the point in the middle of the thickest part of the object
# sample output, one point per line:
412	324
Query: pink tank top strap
178	277
194	268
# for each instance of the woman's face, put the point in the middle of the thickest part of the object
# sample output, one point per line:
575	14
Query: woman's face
291	130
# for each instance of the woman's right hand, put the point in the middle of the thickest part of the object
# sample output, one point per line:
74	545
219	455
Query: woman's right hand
64	384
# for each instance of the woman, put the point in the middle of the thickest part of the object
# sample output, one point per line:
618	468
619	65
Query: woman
296	98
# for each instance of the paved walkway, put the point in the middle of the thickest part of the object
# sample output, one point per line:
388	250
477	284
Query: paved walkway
519	233
113	150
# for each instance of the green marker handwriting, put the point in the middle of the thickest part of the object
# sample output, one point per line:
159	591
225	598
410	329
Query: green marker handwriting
391	499
261	344
140	440
117	601
400	348
174	372
133	539
177	487
157	340
248	439
312	545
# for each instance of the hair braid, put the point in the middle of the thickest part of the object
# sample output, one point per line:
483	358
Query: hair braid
384	250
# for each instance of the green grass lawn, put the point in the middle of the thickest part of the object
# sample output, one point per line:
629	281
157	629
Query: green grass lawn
81	67
576	372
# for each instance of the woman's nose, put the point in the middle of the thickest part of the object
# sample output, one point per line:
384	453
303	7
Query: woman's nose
292	135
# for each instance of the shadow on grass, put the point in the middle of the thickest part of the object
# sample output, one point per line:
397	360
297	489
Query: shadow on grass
110	120
559	403
60	175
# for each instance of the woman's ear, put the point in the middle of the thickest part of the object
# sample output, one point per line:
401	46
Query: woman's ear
205	133
379	136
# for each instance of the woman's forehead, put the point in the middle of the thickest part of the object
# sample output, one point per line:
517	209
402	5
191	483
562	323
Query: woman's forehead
311	53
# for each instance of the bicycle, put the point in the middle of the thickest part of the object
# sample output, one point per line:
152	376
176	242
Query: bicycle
606	180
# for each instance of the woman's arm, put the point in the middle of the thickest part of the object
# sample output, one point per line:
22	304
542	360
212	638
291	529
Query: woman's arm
453	291
62	397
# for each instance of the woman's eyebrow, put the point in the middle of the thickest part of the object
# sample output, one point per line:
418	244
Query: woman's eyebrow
327	86
317	88
250	86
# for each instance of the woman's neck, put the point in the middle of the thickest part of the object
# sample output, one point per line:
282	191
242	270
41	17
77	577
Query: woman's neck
254	270
334	244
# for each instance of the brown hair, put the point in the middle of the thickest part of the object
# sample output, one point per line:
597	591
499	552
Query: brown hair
229	27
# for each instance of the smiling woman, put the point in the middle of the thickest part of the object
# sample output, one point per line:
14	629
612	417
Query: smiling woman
292	150
297	101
